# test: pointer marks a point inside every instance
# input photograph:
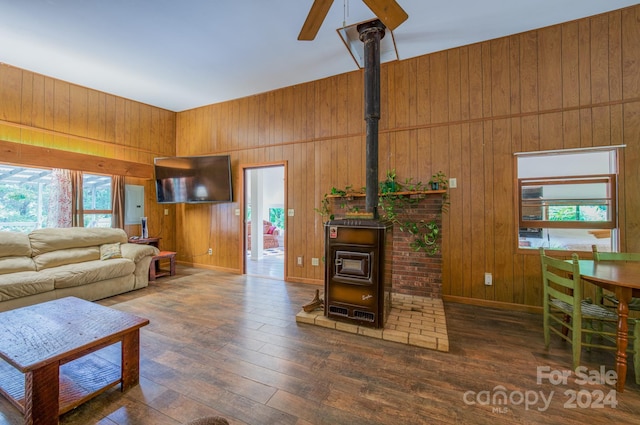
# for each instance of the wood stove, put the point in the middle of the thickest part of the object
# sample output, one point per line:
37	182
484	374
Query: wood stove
357	280
358	273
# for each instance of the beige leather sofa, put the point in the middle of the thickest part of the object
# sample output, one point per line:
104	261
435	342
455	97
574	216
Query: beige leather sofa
88	263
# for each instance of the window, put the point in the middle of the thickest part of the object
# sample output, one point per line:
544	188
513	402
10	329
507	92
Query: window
25	194
276	217
96	200
567	200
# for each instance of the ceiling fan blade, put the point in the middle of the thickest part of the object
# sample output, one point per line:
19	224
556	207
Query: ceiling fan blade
388	11
314	20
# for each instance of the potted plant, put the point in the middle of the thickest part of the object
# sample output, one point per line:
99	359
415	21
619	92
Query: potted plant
393	201
439	181
389	184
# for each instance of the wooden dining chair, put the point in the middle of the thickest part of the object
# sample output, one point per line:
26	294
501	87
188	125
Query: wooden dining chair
563	299
603	296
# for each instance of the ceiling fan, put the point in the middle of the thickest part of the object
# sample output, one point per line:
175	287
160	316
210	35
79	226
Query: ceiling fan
388	11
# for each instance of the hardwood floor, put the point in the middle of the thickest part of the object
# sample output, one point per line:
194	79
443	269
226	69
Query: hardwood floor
228	345
269	265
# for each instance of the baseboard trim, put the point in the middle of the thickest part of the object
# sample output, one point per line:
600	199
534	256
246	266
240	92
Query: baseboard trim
205	266
304	280
236	271
492	304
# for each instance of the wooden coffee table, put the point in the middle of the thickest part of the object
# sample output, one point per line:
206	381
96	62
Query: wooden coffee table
47	360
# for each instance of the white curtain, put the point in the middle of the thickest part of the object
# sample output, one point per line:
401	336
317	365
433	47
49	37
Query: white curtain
60	199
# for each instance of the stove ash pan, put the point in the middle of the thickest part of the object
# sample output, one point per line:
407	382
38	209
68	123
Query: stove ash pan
358	274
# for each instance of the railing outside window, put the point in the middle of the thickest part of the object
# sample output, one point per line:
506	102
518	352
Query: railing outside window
567	199
96	200
582	202
25	199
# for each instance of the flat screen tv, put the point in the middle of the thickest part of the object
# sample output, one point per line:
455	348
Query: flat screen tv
193	179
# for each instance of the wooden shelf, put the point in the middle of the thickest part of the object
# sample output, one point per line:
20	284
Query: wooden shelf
84	378
80	380
12	385
409	193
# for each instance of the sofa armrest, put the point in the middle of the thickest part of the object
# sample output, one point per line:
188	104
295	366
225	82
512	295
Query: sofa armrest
137	252
141	256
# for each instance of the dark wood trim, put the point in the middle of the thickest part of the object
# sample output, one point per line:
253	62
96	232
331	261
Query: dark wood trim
492	304
208	267
405	193
28	155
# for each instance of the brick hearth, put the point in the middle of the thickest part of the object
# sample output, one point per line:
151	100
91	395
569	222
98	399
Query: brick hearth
413	320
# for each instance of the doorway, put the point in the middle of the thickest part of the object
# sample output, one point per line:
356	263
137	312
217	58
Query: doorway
265	221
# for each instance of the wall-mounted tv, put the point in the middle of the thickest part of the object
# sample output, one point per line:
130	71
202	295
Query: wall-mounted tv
193	179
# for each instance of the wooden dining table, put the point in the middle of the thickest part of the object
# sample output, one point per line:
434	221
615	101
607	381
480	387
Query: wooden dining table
623	279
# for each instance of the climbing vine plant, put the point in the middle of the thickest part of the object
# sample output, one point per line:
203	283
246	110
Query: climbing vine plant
395	197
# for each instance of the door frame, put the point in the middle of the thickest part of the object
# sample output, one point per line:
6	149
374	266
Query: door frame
243	209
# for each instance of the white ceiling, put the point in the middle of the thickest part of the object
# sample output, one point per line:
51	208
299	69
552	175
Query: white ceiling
181	54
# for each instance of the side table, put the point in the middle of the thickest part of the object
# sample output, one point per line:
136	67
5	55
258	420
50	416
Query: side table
155	270
146	241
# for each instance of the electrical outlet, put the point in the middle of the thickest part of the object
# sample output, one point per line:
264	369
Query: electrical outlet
453	183
315	261
210	252
166	211
300	261
488	279
291	212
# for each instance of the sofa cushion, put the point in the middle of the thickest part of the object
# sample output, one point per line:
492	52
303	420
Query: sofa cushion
110	250
16	264
14	244
47	240
66	256
23	284
136	251
88	272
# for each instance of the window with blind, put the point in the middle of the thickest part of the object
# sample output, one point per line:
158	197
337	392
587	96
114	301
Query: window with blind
567	200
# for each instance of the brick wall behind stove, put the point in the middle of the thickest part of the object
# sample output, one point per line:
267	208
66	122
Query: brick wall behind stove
413	273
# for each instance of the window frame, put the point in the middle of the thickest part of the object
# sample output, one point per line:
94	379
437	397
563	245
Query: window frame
96	212
530	231
610	200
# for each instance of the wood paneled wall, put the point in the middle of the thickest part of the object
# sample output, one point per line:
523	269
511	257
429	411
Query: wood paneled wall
464	111
46	122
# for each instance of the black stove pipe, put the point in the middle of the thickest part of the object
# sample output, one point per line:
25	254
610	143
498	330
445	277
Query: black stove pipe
370	34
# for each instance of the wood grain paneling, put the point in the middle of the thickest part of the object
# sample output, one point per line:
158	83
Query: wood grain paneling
630	51
46	122
464	111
